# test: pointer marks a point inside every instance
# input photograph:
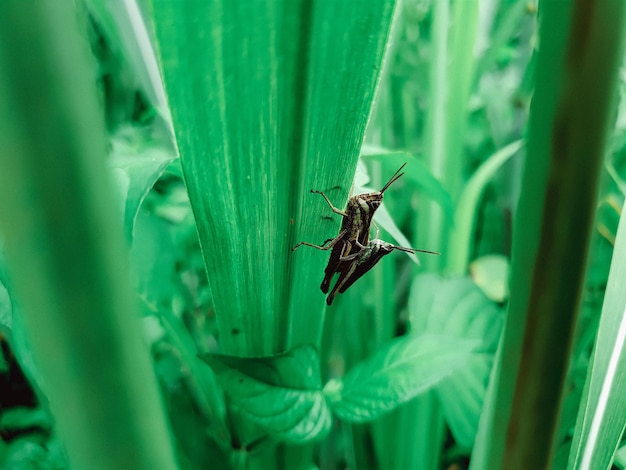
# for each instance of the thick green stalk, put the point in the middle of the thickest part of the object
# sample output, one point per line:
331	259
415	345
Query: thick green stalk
64	245
580	45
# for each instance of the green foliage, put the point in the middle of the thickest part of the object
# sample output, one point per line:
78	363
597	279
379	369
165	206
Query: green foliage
263	135
457	308
265	100
137	159
281	394
63	246
599	427
394	375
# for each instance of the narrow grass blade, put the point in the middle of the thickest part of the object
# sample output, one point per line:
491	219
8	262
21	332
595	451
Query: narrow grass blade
601	419
64	245
461	236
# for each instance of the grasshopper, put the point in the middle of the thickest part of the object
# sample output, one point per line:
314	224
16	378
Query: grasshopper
355	228
353	266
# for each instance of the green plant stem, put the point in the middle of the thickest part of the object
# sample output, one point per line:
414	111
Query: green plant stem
431	221
451	78
64	245
581	43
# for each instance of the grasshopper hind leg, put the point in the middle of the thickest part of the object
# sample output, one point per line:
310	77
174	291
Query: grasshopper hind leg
327	245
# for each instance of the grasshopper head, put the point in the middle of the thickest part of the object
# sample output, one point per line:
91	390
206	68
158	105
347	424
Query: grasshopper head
373	200
376	198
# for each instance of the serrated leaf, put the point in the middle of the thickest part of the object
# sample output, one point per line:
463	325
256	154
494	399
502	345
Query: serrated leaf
395	374
280	393
457	308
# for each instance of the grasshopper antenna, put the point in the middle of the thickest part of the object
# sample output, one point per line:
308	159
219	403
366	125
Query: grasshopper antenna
393	178
413	250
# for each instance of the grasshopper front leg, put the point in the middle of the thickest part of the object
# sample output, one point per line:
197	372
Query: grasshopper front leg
333	208
327	245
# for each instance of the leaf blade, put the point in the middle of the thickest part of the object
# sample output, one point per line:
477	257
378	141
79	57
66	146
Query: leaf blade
394	375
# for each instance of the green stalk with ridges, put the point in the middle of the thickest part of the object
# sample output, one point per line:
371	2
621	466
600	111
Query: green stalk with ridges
580	45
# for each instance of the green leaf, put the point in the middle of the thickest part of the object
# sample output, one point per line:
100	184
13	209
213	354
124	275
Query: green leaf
280	393
265	107
601	423
137	162
491	274
458	309
466	213
64	247
395	374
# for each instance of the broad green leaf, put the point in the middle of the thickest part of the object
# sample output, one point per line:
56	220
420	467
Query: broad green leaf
601	419
137	161
457	308
280	393
265	107
395	374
